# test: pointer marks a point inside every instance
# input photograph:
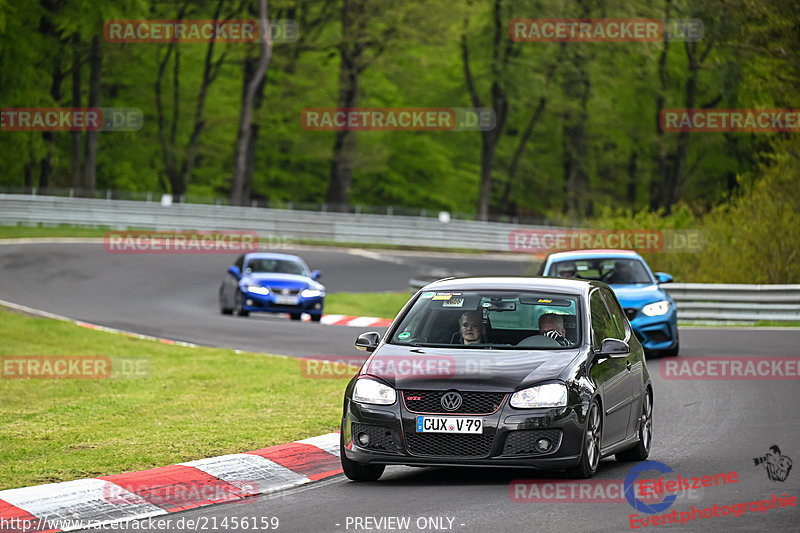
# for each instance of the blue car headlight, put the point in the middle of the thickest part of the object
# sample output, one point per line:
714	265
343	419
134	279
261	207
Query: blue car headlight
258	289
656	308
312	293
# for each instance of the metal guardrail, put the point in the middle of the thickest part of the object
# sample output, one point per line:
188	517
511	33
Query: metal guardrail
735	302
282	223
718	302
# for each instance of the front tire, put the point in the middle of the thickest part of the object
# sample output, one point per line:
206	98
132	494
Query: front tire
222	309
592	437
356	471
673	352
316	318
295	316
239	305
642	448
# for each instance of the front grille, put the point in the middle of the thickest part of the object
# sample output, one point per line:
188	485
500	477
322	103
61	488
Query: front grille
474	403
381	438
631	312
284	292
449	444
523	442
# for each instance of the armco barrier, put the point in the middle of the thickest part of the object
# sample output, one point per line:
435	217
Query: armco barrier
319	226
735	302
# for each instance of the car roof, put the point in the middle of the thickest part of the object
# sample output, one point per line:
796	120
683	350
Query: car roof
569	286
579	254
268	255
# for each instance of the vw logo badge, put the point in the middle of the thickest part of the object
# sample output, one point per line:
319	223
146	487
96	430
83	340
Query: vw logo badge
451	401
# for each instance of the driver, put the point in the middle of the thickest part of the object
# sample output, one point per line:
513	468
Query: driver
622	273
472	328
552	325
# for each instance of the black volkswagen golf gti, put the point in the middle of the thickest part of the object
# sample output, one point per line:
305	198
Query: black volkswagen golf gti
522	372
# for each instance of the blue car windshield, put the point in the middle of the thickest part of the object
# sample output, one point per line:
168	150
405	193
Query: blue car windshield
614	271
491	319
276	266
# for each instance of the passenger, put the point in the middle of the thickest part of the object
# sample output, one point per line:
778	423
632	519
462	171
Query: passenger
552	325
472	328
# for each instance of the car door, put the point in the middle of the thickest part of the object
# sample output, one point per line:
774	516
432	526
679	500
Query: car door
611	374
634	361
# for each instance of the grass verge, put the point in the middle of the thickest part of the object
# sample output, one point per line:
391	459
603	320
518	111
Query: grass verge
197	402
377	304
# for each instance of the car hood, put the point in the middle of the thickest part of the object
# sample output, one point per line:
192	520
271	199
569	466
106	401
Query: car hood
281	281
465	369
639	294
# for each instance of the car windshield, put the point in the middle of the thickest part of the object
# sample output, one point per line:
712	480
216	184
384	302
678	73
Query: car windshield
277	266
614	271
491	319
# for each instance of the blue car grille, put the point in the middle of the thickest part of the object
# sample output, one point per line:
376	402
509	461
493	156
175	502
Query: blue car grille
284	292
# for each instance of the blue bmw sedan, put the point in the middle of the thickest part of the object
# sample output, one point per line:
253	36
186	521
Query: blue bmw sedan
649	308
271	283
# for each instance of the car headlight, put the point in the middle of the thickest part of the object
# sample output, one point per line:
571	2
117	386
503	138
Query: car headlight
547	395
656	309
311	293
369	391
258	289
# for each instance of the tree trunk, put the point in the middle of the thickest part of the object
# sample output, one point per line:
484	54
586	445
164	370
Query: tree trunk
49	137
77	182
505	203
210	71
240	190
350	68
47	28
95	66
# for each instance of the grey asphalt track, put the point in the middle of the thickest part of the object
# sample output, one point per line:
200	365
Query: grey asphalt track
175	296
700	427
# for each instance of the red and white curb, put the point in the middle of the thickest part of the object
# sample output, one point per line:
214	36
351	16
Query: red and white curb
86	503
355	321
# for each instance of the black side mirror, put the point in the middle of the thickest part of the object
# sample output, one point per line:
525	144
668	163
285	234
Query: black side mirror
234	271
614	348
368	341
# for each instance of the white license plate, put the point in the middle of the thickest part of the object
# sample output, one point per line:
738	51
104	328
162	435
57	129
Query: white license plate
285	300
442	424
